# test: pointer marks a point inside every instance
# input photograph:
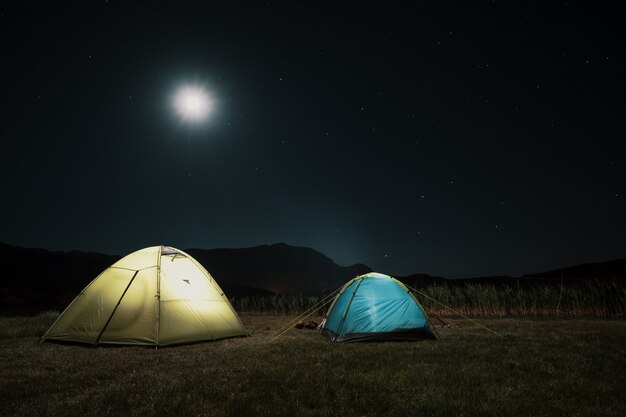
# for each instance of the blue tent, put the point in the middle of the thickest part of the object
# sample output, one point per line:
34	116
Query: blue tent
376	307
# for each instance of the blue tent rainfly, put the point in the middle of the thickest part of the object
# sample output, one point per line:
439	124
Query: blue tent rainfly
376	307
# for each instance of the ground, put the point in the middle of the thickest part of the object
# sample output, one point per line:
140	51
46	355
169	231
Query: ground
542	368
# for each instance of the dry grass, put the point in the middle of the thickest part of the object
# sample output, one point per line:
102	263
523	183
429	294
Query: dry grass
543	368
585	298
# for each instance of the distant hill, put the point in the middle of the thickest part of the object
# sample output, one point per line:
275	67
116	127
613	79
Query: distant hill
610	270
597	270
32	279
279	268
36	279
421	280
614	270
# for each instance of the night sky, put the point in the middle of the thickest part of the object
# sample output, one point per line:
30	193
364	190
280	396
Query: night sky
452	138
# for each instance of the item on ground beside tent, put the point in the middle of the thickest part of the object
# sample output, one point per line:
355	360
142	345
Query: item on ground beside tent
155	296
307	325
376	307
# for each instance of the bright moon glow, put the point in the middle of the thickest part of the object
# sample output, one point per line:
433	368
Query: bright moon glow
193	103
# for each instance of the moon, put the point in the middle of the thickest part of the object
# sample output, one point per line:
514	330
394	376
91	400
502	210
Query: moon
193	103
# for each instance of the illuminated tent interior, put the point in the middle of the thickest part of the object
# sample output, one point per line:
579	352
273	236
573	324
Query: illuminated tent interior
376	307
155	296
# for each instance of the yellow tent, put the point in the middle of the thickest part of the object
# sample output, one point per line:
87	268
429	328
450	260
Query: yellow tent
155	296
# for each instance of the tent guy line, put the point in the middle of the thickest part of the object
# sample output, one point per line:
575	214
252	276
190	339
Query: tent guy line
326	300
456	312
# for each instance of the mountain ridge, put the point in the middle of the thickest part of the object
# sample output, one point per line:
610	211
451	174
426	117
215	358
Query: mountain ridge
35	278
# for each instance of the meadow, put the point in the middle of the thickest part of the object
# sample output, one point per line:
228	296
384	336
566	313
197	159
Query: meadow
544	367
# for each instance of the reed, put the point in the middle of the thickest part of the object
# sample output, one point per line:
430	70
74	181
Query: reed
580	299
276	305
590	298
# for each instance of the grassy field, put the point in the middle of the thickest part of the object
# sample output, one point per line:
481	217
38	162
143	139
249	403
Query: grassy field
545	367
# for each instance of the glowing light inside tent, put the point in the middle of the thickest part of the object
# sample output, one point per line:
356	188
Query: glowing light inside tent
193	103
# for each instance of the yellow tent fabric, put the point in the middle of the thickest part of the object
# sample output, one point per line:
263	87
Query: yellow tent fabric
156	296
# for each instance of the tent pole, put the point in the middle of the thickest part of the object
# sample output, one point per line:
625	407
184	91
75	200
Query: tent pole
158	300
115	309
345	312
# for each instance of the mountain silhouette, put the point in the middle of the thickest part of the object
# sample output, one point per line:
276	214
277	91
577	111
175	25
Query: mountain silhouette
610	270
36	279
279	268
33	280
615	269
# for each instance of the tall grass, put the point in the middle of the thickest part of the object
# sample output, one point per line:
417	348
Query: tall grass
588	298
20	326
277	305
578	299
